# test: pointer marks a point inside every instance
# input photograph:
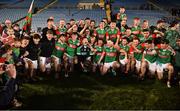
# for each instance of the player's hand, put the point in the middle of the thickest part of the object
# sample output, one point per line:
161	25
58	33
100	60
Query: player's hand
86	25
74	25
173	53
26	53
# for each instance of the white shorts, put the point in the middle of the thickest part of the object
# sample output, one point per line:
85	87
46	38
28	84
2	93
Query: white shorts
138	64
34	62
152	66
108	65
58	60
161	67
123	61
43	61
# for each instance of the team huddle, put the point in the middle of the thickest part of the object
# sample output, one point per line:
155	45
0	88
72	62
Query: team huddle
110	47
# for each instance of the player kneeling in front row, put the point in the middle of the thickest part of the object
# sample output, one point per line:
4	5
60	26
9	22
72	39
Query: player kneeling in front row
148	60
164	53
136	50
109	55
98	50
123	58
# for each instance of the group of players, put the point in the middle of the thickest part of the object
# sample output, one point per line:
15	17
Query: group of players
112	46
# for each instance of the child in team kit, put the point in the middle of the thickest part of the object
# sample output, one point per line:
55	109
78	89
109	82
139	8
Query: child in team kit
113	33
164	54
16	52
58	54
110	58
100	32
136	50
98	50
148	60
123	57
70	54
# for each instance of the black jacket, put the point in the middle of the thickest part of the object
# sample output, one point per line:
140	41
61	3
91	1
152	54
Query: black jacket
33	50
47	48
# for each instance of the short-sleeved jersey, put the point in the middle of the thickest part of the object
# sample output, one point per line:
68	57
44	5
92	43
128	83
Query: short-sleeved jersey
110	54
138	28
98	53
138	56
113	34
125	48
164	56
148	57
100	34
72	46
143	39
59	49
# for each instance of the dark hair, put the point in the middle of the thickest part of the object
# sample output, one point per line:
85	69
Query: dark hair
173	23
71	20
17	39
160	21
145	30
7	47
36	36
136	38
87	18
74	33
16	25
145	20
62	35
136	18
105	18
49	20
103	21
126	38
113	21
122	7
148	41
49	32
25	37
164	41
93	21
128	28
